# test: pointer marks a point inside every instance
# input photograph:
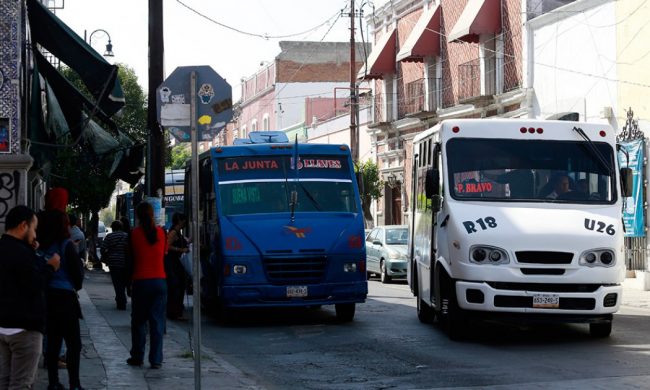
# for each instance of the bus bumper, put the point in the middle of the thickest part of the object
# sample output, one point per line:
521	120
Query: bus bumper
490	297
294	296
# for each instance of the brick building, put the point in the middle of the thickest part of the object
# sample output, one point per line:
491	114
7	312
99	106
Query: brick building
435	60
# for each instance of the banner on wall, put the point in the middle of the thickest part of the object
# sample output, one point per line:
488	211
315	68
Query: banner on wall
633	211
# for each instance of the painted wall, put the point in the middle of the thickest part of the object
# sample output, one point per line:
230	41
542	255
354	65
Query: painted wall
337	131
572	54
291	97
633	60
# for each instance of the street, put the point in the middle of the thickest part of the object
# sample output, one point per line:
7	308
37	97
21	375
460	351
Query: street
387	347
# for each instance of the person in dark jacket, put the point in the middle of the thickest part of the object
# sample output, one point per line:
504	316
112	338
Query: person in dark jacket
115	248
23	279
62	305
176	275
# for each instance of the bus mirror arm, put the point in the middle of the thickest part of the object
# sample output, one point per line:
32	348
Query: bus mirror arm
626	181
293	202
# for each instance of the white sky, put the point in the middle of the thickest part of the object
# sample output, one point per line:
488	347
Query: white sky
193	40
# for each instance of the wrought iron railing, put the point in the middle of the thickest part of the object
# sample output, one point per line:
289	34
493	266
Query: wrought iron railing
378	108
470	80
411	98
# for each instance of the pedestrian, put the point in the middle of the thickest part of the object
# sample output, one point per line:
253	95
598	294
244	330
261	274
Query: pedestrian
176	275
62	304
77	236
23	279
114	252
149	288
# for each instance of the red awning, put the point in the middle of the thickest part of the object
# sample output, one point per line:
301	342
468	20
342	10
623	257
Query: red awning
478	17
381	60
424	40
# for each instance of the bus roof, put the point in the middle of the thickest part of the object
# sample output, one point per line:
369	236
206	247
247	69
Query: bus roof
277	149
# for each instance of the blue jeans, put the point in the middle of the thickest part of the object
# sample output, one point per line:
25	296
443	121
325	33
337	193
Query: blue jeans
148	305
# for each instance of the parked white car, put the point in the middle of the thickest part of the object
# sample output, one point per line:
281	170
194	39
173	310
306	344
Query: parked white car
386	248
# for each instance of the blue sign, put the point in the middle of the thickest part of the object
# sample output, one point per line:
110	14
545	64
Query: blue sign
633	210
213	103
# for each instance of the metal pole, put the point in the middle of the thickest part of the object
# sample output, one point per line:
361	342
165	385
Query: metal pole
354	137
155	174
196	266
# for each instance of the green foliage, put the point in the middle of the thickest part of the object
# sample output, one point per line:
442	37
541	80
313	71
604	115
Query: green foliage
179	155
372	185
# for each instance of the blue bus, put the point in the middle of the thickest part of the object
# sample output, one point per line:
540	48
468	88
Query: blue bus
280	227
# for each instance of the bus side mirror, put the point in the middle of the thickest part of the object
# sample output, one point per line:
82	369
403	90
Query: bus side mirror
626	181
432	183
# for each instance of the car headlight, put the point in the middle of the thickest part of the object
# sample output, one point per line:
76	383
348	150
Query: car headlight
396	255
598	258
485	254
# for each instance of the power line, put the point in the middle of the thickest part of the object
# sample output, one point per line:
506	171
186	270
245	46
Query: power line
263	36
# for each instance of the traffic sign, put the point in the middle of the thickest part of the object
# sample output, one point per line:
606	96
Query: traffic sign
213	103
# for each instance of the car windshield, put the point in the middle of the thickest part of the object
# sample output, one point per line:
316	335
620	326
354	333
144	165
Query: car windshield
396	236
256	197
521	170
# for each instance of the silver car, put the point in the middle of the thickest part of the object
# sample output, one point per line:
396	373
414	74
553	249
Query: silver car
386	251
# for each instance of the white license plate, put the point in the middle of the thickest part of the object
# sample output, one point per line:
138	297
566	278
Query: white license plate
296	291
548	301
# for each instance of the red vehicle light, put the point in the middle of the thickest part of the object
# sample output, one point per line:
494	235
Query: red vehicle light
455	129
531	130
362	266
523	130
602	133
540	130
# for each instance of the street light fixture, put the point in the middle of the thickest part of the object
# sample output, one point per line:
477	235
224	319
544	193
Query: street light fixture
109	45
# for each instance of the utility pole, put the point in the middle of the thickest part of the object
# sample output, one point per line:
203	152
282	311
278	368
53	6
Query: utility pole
354	106
155	174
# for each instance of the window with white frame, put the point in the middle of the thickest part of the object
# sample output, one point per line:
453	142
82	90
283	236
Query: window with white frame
244	132
254	125
265	122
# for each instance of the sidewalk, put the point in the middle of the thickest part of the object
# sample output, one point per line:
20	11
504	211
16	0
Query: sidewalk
106	339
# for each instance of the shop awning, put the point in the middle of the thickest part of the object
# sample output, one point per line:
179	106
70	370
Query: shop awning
97	74
478	17
381	60
424	40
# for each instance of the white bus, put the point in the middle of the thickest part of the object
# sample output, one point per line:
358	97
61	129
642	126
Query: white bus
517	220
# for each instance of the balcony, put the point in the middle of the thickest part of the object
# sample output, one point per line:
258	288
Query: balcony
411	99
379	119
473	86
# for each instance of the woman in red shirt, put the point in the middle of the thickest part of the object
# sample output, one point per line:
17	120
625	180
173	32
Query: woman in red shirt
149	289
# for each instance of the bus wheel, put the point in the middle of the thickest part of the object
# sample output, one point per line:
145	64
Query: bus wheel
384	273
345	311
452	318
426	315
600	329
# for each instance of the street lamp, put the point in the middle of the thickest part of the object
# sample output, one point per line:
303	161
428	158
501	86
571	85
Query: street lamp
109	46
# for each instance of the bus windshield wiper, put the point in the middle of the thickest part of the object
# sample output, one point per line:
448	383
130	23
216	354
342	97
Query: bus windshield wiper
594	150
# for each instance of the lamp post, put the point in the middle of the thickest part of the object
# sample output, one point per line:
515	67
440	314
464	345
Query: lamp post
109	45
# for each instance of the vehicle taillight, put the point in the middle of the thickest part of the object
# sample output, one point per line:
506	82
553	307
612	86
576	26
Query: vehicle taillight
455	129
602	133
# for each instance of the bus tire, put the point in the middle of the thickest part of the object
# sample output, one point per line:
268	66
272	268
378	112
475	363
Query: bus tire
600	329
426	314
384	273
345	311
453	319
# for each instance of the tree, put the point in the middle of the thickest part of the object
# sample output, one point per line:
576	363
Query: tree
179	155
371	187
85	175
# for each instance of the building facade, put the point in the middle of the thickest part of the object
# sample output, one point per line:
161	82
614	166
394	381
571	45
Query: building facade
434	60
14	161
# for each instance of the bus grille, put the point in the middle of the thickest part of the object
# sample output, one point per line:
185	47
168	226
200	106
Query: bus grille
295	270
540	257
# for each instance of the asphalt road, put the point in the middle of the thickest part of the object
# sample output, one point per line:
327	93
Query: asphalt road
387	347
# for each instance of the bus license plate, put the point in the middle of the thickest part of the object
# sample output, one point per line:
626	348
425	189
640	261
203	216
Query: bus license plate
296	291
547	301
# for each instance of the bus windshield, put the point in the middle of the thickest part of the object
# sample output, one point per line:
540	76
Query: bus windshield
256	197
263	184
531	171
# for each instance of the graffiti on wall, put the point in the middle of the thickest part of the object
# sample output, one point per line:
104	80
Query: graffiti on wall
9	190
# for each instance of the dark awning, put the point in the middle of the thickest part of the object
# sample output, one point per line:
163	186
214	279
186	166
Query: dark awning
478	17
381	60
99	76
424	40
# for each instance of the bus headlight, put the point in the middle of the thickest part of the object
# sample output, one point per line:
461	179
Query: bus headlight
239	269
350	267
484	254
598	258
